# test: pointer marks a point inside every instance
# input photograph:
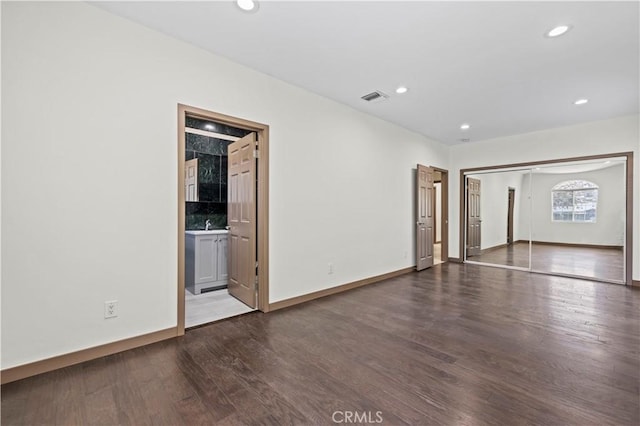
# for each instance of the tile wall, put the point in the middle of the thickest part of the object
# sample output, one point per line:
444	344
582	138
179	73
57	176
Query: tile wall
212	173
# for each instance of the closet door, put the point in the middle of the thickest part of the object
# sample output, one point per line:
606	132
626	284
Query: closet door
498	217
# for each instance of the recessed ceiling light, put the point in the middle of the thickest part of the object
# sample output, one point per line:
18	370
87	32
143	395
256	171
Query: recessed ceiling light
465	126
558	31
401	89
248	5
607	162
581	101
209	126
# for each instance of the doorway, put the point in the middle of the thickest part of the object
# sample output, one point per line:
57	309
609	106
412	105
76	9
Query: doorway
254	204
441	216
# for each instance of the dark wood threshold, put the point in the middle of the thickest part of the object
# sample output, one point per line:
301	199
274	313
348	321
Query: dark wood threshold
455	260
635	283
549	243
31	369
339	289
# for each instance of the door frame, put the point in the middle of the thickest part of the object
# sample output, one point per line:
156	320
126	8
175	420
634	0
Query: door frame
435	217
628	241
262	214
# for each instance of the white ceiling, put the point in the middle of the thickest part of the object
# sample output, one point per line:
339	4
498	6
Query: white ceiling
483	63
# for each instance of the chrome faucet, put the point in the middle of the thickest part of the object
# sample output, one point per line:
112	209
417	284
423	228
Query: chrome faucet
207	225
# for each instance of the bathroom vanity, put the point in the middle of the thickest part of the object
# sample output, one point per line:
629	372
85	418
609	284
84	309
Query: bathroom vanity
205	260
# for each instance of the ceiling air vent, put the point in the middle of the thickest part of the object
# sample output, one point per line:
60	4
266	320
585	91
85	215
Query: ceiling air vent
376	96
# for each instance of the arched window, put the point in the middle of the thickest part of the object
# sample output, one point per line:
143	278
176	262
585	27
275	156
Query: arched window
574	201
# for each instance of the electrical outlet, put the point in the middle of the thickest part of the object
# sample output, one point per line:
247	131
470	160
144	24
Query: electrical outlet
110	309
330	268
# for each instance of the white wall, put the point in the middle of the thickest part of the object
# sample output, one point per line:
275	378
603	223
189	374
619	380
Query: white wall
89	177
600	137
608	229
494	202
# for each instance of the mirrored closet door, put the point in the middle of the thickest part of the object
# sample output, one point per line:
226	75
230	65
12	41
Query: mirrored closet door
498	226
563	218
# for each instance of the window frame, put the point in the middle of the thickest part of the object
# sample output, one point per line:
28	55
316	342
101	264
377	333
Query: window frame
589	187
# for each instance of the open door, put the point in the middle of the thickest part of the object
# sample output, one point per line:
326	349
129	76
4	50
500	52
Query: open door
424	217
473	217
241	219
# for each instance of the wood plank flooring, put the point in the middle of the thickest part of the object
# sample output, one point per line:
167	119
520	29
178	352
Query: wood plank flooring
591	262
451	345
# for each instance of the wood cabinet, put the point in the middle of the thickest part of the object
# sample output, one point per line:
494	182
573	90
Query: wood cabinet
205	260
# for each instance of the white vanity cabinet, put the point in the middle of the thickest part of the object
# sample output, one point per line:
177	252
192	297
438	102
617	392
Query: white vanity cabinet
222	258
205	260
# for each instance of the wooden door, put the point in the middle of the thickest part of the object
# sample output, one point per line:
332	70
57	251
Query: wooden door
241	219
474	220
424	217
191	180
510	207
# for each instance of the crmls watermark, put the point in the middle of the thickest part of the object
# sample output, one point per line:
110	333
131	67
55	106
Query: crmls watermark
357	417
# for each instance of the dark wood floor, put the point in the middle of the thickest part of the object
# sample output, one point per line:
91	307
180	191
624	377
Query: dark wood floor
591	262
454	345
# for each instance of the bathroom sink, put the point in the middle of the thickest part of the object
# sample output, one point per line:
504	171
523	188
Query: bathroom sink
209	232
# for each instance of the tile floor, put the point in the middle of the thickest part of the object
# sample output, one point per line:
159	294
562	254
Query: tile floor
213	306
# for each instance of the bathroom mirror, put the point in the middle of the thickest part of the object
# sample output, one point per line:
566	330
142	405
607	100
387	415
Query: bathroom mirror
206	172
